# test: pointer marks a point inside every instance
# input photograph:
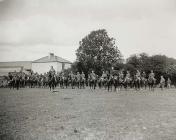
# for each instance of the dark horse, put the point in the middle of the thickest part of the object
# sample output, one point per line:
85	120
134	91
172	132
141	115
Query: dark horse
151	83
144	82
110	82
72	81
82	82
92	82
51	81
137	82
127	82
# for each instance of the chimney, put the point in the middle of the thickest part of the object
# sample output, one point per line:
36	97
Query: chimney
51	56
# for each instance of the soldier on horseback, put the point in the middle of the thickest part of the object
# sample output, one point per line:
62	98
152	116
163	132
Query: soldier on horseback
162	82
116	81
137	80
51	78
109	81
52	71
121	79
78	78
127	80
143	80
151	80
10	76
61	79
72	79
104	79
152	75
168	82
82	81
92	78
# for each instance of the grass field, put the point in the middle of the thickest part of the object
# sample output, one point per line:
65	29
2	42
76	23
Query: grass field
38	114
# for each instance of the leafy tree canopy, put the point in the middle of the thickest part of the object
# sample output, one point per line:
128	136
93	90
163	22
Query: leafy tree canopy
97	51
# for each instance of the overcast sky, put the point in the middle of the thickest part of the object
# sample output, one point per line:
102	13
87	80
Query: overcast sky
30	29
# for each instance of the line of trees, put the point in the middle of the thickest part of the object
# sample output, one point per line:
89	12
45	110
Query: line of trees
99	52
160	64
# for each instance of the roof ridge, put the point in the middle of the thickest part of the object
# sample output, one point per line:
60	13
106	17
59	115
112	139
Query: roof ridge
54	59
40	58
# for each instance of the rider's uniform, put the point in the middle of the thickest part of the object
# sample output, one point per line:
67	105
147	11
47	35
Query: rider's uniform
143	75
72	76
62	76
121	76
138	75
10	76
78	77
168	83
152	75
52	72
93	76
162	80
115	77
83	76
104	76
128	75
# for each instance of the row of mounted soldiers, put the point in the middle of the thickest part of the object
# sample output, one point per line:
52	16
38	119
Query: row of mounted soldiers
107	80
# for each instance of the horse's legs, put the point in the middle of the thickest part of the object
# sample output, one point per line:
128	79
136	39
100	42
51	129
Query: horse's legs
94	84
108	86
90	83
17	85
72	84
53	86
83	84
138	84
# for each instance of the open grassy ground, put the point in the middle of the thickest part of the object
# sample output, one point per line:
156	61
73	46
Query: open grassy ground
37	114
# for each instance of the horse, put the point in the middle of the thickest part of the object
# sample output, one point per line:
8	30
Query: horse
110	82
66	81
31	81
121	82
78	79
82	82
11	83
72	81
151	83
51	81
17	82
137	82
127	82
92	82
61	81
115	82
162	83
45	81
144	82
100	82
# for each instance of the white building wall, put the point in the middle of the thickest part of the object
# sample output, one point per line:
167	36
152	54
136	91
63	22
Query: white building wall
59	67
42	68
67	65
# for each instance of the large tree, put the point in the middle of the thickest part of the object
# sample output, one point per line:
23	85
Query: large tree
97	51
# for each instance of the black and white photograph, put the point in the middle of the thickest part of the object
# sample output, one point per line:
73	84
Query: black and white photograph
87	69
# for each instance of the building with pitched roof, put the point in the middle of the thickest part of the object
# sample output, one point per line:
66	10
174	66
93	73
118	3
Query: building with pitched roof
44	64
